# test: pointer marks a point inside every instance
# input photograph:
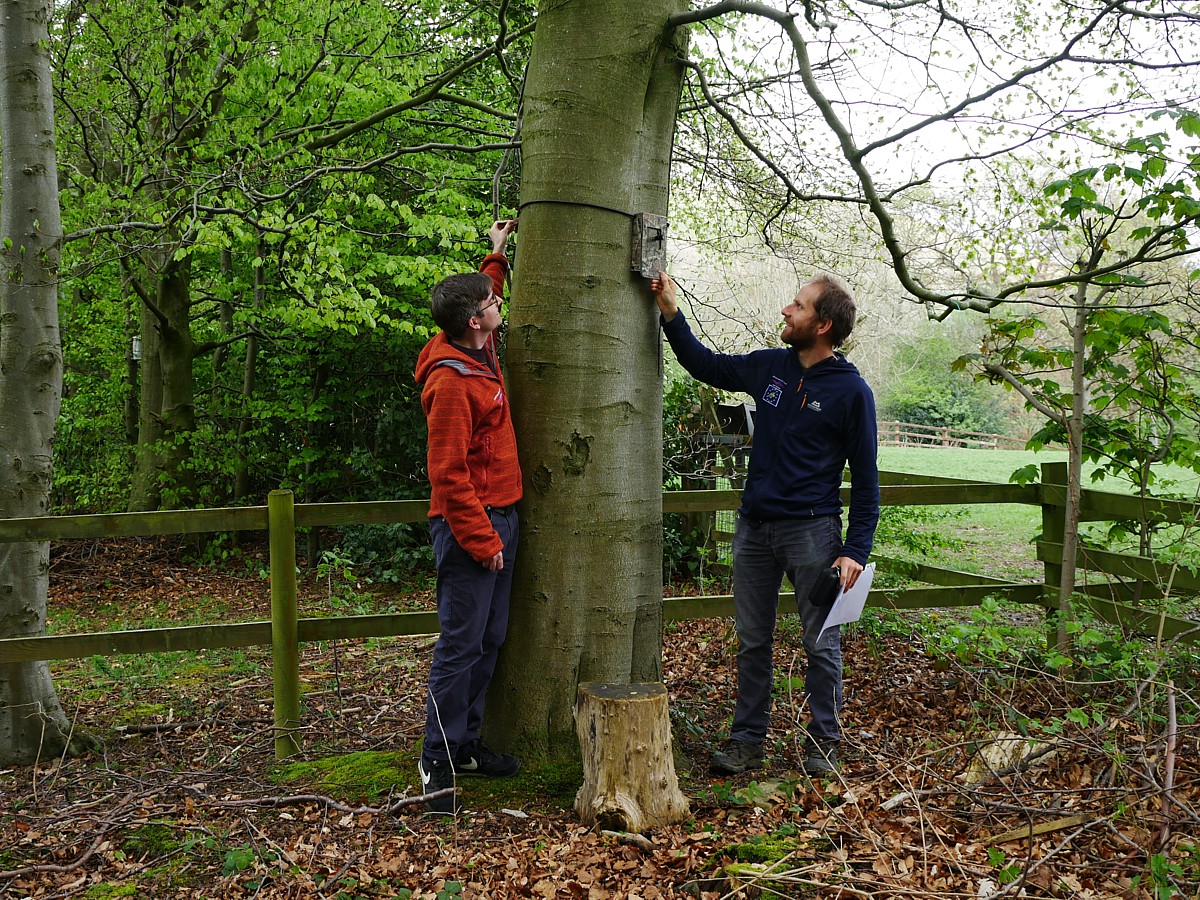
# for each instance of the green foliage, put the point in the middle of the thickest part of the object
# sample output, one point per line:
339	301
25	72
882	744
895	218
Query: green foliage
683	418
279	221
238	860
91	453
1113	372
983	636
389	553
1143	401
686	552
1163	874
989	636
343	584
1006	872
925	388
686	549
913	529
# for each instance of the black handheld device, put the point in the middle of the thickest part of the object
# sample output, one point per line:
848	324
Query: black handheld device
825	588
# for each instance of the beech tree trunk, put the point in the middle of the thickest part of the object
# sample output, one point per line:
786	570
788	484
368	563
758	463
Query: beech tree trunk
585	364
163	476
241	481
147	465
629	781
32	723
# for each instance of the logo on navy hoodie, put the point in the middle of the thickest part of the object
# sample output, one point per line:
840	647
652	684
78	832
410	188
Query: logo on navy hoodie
774	392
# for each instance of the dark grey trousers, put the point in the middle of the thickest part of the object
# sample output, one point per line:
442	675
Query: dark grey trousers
763	552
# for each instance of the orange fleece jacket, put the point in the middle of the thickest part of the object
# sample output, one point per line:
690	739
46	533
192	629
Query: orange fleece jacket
472	457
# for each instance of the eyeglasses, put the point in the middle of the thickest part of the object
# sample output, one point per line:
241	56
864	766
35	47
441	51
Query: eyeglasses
493	301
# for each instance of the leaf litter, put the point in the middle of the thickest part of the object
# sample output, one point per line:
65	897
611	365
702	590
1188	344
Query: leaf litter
184	799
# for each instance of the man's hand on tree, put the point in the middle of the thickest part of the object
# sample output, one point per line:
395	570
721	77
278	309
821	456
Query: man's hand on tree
499	232
664	290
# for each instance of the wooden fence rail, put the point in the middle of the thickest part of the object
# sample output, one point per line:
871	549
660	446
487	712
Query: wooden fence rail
281	518
903	434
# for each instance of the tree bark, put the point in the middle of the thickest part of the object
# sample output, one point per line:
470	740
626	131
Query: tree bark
629	781
241	481
32	723
147	465
585	364
177	352
163	474
1079	405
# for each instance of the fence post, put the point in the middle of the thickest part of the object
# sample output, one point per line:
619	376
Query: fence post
1054	526
281	520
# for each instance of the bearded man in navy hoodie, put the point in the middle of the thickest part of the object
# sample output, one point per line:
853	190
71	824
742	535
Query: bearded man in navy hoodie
814	414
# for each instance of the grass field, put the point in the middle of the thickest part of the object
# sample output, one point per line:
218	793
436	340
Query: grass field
998	465
996	537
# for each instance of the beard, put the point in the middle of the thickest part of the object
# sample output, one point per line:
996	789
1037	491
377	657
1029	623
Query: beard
799	339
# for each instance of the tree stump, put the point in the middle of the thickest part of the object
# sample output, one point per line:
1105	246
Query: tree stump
629	781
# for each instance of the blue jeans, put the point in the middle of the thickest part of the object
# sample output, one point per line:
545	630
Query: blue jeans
763	552
472	605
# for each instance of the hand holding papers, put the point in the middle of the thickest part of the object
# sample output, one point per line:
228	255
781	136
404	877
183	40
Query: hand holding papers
848	605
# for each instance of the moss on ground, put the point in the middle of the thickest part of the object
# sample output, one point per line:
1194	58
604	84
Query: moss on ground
544	784
367	775
107	891
372	775
149	841
764	848
139	713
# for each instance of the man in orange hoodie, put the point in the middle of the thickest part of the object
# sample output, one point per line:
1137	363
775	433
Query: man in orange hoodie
476	482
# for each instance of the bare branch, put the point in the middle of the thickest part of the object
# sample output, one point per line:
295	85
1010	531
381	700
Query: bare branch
429	94
1003	374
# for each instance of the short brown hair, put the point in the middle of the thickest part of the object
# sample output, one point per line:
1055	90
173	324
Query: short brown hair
455	299
834	304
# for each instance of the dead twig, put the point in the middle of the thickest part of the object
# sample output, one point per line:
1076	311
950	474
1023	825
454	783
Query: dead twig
159	727
320	800
628	837
87	854
1164	835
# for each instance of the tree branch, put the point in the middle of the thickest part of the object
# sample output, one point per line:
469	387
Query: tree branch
476	104
1002	373
430	93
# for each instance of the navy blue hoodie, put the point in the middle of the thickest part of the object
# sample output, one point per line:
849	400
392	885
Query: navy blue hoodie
808	425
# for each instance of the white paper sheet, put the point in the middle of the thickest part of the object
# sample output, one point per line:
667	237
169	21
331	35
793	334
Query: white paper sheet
848	605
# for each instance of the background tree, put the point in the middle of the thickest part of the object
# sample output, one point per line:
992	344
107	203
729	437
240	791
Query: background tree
271	172
202	144
1025	93
32	722
1114	391
921	387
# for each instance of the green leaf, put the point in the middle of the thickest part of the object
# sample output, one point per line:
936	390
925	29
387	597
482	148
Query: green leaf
1189	123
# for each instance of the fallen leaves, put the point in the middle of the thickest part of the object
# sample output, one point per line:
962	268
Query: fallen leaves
173	811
